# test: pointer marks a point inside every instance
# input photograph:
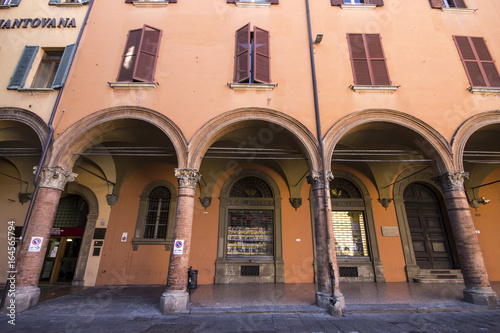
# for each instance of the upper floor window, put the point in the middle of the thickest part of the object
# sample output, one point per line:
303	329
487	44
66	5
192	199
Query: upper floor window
9	3
448	4
367	59
253	1
139	2
68	2
51	72
477	61
140	55
252	56
357	2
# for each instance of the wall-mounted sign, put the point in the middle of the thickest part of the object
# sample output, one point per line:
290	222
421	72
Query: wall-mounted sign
38	22
35	244
178	246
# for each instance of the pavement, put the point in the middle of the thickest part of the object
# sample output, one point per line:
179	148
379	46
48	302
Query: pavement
370	307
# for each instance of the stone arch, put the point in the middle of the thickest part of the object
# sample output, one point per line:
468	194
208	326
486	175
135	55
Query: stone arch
90	197
28	118
440	149
424	176
469	127
83	132
234	119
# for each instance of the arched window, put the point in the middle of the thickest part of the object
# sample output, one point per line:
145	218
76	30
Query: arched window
156	215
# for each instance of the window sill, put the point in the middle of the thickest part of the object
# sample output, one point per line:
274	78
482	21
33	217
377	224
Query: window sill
252	86
7	6
252	4
458	10
150	3
358	6
141	241
484	91
36	89
132	85
68	4
365	88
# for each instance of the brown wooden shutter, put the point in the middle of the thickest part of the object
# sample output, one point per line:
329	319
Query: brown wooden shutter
437	3
477	61
147	55
261	56
274	1
231	1
129	1
379	73
460	3
359	59
129	55
242	54
337	2
377	2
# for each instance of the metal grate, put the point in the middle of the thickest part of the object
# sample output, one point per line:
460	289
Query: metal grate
348	271
250	271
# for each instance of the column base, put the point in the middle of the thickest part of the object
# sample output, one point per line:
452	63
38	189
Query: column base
481	296
333	305
173	301
25	298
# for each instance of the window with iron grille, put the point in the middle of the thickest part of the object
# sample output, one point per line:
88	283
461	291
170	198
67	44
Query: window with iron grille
157	215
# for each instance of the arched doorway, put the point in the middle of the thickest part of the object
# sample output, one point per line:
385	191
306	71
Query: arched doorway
250	231
429	237
61	258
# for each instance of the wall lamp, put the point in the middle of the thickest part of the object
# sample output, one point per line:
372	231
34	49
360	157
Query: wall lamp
319	38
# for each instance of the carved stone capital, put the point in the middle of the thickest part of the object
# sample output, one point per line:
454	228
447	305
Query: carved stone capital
296	202
187	177
451	181
315	178
385	202
55	177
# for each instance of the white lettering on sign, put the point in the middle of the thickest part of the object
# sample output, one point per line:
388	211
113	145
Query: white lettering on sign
35	244
178	246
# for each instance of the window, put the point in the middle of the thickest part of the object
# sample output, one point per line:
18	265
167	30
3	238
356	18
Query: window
68	2
155	216
269	1
477	61
9	3
138	1
140	55
252	58
357	2
367	59
448	4
51	73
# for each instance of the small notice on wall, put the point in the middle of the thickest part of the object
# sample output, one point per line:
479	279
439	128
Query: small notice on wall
179	246
35	244
390	231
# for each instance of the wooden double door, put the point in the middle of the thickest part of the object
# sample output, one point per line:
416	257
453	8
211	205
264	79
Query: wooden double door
60	259
429	236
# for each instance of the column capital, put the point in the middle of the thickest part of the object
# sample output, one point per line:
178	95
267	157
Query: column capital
55	177
315	178
187	177
451	181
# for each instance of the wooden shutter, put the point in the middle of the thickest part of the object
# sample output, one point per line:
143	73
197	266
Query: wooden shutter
460	3
337	2
367	59
54	2
261	56
64	66
377	2
14	3
23	67
129	55
477	61
129	1
437	3
274	1
242	54
147	54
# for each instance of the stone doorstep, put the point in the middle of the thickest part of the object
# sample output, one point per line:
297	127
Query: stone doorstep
439	276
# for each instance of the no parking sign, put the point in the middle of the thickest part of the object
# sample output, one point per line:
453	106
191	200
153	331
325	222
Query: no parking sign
35	244
178	246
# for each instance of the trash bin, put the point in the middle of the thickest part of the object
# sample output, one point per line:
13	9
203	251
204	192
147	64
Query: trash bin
192	278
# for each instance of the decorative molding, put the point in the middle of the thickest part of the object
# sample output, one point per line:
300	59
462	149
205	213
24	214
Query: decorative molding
373	88
187	177
252	86
315	178
458	10
451	181
111	199
296	202
249	4
35	89
206	202
385	202
55	177
150	3
484	90
358	6
133	85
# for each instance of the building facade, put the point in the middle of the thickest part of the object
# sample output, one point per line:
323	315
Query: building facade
220	135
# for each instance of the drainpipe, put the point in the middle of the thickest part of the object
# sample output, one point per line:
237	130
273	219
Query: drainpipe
42	160
320	141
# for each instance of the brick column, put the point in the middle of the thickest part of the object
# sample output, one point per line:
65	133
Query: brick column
176	298
477	286
328	295
29	264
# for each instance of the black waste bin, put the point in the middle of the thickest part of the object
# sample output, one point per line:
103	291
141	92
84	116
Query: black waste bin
192	278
